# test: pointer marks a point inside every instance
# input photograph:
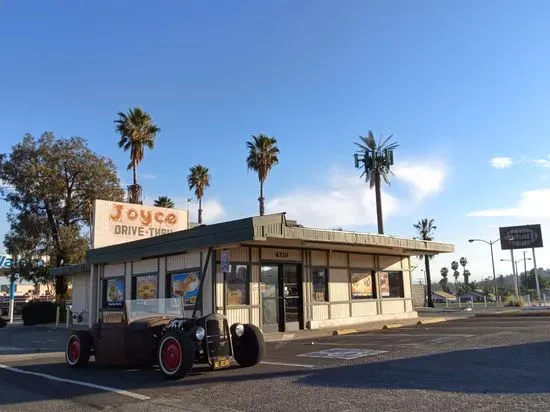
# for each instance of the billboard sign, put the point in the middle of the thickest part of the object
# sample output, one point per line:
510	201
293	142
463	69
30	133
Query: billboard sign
520	237
120	222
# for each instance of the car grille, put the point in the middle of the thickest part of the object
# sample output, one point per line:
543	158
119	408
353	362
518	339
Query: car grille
217	338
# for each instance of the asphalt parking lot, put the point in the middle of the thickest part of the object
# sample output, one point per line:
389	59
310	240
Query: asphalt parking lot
474	363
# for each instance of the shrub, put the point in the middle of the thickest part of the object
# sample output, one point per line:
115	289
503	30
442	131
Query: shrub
512	301
37	312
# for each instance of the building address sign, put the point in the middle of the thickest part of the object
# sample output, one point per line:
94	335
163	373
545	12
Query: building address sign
281	255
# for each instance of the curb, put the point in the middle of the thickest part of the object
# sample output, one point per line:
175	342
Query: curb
344	331
513	314
430	321
392	325
29	356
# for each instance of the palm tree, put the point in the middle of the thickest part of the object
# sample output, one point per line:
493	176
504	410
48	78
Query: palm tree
137	131
425	228
456	273
444	282
466	275
377	159
263	154
164	201
199	179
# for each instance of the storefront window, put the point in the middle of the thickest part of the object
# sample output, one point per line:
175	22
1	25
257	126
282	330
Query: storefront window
362	285
237	285
113	293
319	278
145	287
391	284
184	284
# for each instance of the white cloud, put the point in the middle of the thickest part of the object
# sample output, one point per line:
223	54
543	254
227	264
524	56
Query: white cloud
212	212
423	180
501	162
348	200
147	176
533	203
543	162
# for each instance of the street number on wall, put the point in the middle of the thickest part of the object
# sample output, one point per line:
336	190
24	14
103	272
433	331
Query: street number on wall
281	255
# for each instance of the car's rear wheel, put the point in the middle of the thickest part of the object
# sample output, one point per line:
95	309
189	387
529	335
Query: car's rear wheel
248	349
77	352
176	354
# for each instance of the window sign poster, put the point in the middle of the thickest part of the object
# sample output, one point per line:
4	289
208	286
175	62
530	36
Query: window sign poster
384	284
186	286
115	293
361	285
146	287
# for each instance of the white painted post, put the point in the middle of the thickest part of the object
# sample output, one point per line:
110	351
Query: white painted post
544	299
57	313
529	300
485	299
446	302
459	303
68	317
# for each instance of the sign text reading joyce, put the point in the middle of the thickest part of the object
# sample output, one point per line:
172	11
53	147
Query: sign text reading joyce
520	237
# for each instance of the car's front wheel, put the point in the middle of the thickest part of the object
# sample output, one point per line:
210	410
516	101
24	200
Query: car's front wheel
249	348
77	352
176	354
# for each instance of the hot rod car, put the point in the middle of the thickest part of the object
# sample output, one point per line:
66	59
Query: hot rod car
150	332
155	332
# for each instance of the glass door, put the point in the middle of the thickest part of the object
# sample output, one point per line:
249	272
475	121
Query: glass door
291	286
270	298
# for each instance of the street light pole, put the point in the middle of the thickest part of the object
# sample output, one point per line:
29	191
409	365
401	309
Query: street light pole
525	271
490	243
536	275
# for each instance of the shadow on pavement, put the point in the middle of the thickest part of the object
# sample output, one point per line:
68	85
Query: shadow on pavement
518	369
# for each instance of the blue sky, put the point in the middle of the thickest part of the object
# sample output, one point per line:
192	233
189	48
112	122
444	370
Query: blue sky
457	84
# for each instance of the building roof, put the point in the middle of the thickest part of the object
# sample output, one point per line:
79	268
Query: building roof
444	294
68	270
260	230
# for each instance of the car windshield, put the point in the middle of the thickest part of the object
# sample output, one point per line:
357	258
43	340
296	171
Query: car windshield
147	308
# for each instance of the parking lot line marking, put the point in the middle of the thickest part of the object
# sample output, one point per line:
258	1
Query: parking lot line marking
89	385
300	365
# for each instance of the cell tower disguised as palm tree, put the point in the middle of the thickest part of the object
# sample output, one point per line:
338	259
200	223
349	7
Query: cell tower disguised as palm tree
376	159
199	179
262	156
137	131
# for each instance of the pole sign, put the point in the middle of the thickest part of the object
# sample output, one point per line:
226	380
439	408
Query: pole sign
225	257
520	237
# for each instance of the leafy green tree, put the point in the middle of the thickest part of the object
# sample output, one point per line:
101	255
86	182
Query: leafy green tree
55	182
263	154
378	159
199	179
444	281
164	201
425	228
137	131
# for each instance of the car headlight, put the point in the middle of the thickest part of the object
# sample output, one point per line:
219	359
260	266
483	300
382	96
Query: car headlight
239	330
199	333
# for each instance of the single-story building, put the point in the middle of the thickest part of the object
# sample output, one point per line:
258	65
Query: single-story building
440	296
278	275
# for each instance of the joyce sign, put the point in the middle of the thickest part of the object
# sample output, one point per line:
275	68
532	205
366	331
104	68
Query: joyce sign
520	237
119	222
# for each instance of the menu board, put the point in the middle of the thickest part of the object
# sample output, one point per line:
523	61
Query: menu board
384	283
146	287
361	285
114	293
186	286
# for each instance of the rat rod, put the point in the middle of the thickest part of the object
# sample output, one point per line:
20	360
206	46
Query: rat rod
152	332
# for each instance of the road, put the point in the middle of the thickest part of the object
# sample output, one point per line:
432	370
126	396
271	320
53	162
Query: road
465	364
